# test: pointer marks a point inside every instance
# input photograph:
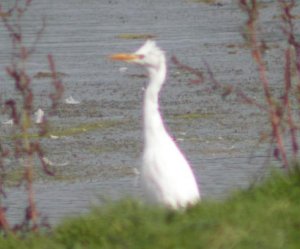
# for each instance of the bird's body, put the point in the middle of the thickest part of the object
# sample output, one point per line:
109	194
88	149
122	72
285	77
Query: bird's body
166	175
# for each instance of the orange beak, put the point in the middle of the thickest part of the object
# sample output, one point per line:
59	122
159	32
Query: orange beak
124	57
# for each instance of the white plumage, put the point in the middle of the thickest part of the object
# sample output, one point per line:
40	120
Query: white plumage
166	175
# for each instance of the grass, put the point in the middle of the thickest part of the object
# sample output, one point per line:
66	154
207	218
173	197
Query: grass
191	116
60	131
82	128
129	36
205	1
264	216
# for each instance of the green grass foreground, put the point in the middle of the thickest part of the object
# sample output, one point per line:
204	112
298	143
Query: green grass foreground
265	216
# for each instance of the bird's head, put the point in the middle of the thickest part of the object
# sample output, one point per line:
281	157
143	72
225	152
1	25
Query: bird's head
149	55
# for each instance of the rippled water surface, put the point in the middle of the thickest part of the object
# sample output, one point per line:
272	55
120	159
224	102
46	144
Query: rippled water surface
220	137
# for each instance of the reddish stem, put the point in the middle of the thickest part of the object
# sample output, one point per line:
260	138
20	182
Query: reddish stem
4	225
257	56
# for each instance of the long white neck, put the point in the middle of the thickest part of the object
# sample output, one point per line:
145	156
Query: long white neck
153	123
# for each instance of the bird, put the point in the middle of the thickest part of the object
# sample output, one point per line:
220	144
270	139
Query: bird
39	116
166	175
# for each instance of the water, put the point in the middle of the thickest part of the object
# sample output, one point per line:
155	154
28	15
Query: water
221	144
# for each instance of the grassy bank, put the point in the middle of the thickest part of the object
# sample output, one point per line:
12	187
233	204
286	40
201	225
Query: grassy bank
265	216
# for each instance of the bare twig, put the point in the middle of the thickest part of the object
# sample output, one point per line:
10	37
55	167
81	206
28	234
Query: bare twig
196	72
56	82
21	114
279	111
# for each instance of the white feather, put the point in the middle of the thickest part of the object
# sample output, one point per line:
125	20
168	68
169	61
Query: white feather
166	174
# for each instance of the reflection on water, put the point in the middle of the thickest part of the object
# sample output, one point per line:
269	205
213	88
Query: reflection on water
66	199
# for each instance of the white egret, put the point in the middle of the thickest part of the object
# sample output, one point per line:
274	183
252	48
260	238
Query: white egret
39	116
166	174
